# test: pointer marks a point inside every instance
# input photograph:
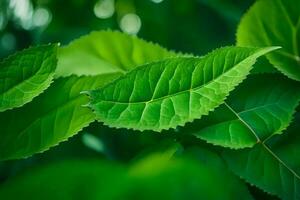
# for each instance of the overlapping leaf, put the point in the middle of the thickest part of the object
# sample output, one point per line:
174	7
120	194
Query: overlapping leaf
25	75
273	165
259	108
107	52
52	117
168	93
274	23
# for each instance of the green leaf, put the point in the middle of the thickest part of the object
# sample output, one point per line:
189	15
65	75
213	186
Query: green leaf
152	178
280	26
104	52
49	119
25	75
168	93
68	180
259	108
273	166
183	177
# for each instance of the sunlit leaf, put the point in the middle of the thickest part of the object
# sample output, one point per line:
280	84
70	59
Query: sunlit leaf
168	93
105	52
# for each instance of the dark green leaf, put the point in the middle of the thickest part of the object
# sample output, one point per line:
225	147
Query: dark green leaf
260	108
51	118
25	75
274	23
273	165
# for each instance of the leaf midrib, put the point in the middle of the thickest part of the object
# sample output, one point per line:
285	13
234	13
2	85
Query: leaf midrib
259	141
180	92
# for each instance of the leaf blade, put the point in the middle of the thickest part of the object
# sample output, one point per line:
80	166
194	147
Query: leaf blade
47	121
273	166
245	118
154	92
103	52
279	27
25	75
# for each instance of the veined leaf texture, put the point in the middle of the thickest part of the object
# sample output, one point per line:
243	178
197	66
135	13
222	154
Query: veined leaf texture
279	27
25	75
259	108
172	92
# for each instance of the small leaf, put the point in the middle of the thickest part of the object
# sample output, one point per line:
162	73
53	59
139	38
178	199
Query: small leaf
51	118
168	93
280	26
273	165
104	52
25	75
259	108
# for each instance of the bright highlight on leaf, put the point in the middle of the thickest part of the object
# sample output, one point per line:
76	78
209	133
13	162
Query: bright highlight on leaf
274	23
105	52
172	92
25	75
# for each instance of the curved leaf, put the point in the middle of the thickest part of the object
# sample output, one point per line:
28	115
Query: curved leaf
52	117
168	93
25	75
279	27
274	165
104	52
251	114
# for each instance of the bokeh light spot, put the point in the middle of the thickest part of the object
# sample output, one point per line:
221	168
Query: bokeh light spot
8	41
93	142
41	17
130	23
157	1
104	9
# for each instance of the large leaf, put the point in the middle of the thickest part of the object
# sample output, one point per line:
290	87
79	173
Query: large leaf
25	75
260	107
107	52
280	26
52	117
154	177
168	93
274	165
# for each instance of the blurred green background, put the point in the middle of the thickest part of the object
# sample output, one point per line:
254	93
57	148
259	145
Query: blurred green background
193	26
